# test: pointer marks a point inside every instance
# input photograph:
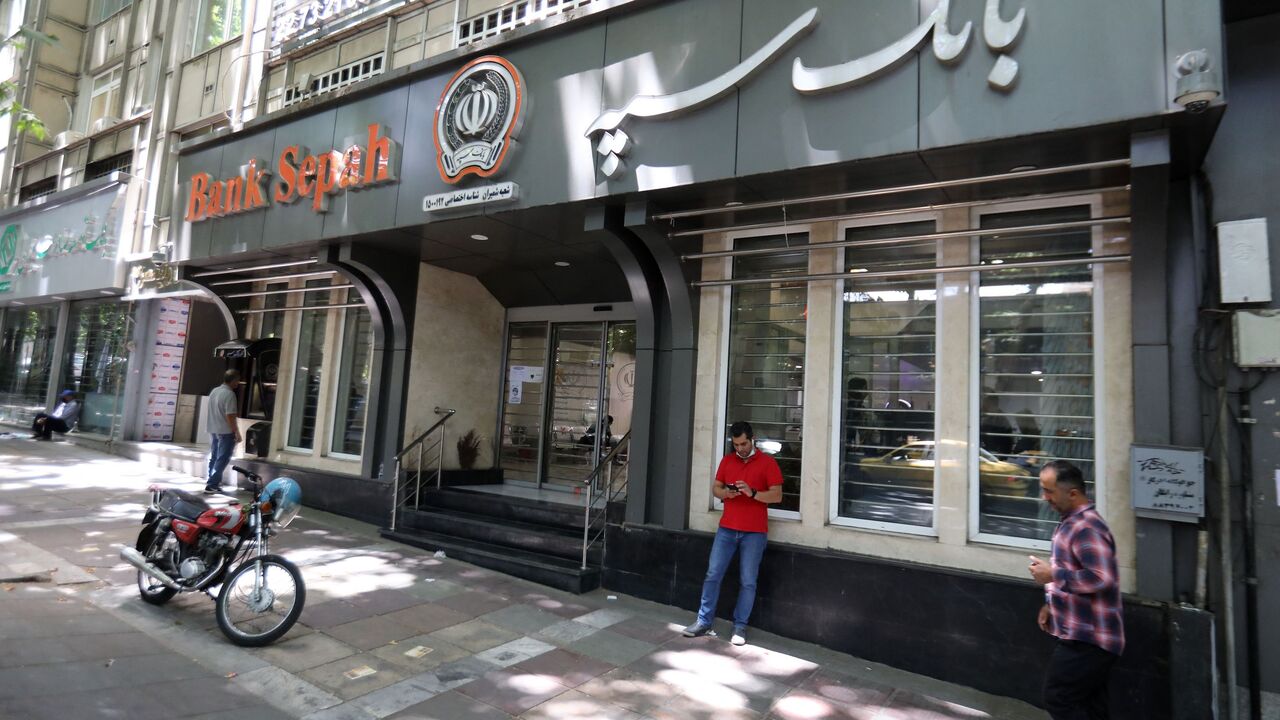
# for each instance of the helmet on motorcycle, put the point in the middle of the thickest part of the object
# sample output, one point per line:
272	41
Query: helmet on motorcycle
285	497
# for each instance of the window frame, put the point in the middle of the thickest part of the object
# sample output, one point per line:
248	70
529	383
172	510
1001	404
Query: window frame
112	85
1093	201
337	387
320	434
194	47
722	392
834	518
101	14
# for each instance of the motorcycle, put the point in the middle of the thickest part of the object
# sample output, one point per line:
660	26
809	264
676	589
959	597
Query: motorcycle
187	546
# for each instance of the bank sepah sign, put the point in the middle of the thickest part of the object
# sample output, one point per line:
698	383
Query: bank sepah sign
301	176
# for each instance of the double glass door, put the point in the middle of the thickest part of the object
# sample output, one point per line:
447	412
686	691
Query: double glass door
568	390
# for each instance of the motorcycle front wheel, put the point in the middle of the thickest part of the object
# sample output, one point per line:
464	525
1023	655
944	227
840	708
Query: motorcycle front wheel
260	601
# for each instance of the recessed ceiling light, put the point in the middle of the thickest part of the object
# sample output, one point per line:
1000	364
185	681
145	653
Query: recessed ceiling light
57	297
1022	168
107	292
997	262
562	263
733	203
858	270
1037	372
478	236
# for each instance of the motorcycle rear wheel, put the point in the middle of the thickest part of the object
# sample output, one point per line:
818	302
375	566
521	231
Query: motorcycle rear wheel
254	620
152	592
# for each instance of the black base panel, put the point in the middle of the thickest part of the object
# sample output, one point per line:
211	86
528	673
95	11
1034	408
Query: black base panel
347	495
962	627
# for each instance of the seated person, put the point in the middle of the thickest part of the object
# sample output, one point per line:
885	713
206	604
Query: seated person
62	419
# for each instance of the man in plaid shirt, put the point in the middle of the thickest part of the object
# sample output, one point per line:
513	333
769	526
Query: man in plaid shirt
1082	599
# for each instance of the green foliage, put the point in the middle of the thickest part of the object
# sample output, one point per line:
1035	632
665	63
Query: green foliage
25	120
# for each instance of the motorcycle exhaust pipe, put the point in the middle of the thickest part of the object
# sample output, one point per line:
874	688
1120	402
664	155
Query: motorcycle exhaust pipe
136	559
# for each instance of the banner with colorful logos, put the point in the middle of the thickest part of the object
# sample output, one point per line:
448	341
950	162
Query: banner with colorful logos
169	342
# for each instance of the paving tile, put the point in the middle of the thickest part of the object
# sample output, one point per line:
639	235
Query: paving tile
846	690
568	668
777	666
455	674
371	632
432	589
524	619
562	604
305	652
451	705
603	617
440	652
393	698
803	705
513	692
381	602
565	632
648	629
611	647
287	692
474	604
331	676
629	690
257	712
427	617
475	635
904	705
574	705
332	613
708	706
516	651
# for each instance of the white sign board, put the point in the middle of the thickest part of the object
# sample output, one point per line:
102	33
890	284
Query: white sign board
501	192
526	373
1168	482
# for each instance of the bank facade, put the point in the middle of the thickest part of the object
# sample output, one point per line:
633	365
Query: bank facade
920	249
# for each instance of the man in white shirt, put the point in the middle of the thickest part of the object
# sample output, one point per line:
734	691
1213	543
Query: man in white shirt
62	419
224	433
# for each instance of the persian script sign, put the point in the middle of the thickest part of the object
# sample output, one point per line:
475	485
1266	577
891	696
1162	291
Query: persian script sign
1168	482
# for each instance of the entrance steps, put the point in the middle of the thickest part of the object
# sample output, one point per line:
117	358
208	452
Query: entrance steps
531	539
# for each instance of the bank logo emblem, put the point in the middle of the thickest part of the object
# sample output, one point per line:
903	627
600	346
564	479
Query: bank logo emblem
478	118
8	249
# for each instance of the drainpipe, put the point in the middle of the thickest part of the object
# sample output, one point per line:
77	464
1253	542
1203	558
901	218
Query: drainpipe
1224	548
242	76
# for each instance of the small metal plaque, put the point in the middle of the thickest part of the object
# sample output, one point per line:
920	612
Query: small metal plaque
358	672
417	652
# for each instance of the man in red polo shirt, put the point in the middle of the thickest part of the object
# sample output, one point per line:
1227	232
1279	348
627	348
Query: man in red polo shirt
748	481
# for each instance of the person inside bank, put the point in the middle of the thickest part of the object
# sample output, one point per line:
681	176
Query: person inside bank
748	481
63	417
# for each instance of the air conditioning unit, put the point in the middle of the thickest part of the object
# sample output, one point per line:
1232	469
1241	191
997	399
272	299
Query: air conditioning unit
66	138
103	123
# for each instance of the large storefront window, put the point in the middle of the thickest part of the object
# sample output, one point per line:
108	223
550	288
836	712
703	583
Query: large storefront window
355	365
95	361
886	439
767	330
26	361
307	375
1036	363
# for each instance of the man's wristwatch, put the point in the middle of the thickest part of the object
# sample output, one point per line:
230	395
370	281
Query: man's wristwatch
753	492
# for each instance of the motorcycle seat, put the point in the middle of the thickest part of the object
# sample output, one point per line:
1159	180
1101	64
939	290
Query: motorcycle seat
183	504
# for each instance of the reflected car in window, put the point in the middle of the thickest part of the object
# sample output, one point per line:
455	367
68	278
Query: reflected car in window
911	466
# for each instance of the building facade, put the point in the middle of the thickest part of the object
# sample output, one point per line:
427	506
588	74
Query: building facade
921	247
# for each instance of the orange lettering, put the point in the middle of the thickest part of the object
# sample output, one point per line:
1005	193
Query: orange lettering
235	188
307	176
287	190
253	196
381	164
197	200
351	168
215	199
328	167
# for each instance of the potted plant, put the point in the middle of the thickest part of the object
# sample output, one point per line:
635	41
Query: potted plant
468	449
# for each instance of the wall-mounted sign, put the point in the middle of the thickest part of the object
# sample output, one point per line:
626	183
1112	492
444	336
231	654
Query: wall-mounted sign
613	143
478	118
1168	482
93	236
499	192
311	17
302	175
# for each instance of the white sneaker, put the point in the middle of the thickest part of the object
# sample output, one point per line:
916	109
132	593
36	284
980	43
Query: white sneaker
739	636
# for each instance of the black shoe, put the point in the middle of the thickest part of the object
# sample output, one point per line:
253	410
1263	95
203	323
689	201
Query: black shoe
212	491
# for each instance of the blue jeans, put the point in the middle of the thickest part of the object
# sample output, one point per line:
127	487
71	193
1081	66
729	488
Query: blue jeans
751	548
220	447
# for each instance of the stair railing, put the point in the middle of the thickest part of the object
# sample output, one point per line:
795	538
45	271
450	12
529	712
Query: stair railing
606	483
429	446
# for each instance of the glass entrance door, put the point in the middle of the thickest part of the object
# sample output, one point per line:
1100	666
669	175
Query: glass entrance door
568	393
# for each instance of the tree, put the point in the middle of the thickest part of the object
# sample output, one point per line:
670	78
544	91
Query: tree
25	120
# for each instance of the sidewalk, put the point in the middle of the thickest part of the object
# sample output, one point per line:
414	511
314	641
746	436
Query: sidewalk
388	631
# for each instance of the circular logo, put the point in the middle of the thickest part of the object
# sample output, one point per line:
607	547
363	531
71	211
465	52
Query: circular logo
478	117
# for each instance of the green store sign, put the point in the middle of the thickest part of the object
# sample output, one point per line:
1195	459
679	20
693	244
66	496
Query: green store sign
93	237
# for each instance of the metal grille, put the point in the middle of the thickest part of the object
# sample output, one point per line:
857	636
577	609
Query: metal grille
1036	363
346	75
38	189
26	360
95	361
509	17
121	162
767	333
890	343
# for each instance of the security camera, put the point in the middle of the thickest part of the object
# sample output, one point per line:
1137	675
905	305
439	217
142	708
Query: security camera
1198	82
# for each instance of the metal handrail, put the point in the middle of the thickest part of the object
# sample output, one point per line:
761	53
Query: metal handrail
419	443
609	493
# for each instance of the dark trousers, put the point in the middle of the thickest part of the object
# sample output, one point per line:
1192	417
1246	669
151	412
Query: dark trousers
44	426
1075	686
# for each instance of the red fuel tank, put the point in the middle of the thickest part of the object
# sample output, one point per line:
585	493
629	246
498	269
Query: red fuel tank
225	520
